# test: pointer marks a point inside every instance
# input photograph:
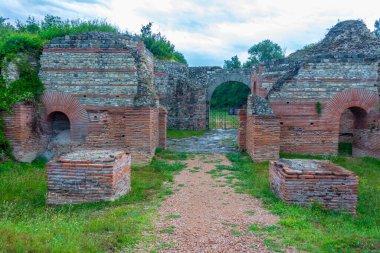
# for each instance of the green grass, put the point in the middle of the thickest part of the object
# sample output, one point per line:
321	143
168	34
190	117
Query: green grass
28	225
179	134
314	229
221	119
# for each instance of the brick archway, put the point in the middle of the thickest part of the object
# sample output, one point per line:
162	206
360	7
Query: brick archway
361	98
70	106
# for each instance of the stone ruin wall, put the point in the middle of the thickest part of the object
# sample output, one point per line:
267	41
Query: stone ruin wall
186	91
103	83
337	78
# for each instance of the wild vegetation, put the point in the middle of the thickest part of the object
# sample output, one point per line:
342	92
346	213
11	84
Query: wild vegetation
262	52
28	225
179	134
315	229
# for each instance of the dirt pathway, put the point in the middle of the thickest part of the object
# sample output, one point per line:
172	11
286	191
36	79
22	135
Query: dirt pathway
206	215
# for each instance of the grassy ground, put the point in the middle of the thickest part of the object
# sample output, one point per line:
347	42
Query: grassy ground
179	134
314	229
28	225
221	119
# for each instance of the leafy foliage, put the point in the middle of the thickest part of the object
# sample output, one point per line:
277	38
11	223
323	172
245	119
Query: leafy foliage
234	63
259	53
377	28
230	94
264	52
159	45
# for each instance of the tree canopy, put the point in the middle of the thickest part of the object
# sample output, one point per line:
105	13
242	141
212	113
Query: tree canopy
159	45
259	53
230	94
264	52
234	63
377	28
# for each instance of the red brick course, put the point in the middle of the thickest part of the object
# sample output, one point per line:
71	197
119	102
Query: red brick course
73	180
305	181
162	127
21	127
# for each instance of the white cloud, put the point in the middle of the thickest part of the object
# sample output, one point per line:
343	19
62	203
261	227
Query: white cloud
213	30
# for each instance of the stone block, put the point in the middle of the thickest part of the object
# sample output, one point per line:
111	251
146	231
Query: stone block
88	176
302	182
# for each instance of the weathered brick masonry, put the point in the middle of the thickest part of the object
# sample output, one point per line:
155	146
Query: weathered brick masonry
186	91
326	91
304	181
22	128
88	176
103	83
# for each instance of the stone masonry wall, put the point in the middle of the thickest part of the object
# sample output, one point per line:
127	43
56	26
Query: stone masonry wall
162	127
186	91
110	79
22	129
348	62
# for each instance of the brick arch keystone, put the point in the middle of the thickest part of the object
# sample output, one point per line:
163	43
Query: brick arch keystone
69	105
362	98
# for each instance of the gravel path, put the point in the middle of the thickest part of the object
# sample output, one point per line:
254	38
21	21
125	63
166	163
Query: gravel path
206	215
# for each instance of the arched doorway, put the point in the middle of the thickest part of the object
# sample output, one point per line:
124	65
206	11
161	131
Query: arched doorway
59	122
225	101
353	123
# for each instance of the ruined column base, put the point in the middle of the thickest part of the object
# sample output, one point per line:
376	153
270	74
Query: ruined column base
88	176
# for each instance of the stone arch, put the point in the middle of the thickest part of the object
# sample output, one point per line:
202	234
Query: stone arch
69	106
360	98
220	78
360	102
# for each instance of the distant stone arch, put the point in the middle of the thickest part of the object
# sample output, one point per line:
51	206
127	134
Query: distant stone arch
60	102
228	75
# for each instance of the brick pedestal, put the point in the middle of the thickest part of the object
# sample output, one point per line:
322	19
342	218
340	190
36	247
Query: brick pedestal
88	176
263	137
301	181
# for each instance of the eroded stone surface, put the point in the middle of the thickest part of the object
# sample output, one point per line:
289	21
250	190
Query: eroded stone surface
214	141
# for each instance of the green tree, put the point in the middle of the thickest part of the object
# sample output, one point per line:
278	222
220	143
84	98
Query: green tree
264	52
234	63
159	45
230	94
377	28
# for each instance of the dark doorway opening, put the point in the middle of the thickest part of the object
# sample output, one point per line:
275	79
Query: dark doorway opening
225	103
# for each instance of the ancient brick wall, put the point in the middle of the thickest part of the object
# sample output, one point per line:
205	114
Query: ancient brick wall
338	76
103	82
162	127
22	129
304	181
366	142
346	131
263	137
88	176
260	129
186	91
242	130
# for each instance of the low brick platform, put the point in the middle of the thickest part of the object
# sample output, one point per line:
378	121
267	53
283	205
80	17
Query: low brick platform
301	181
88	176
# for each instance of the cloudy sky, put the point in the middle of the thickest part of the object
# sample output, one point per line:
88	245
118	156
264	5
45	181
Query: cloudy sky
210	31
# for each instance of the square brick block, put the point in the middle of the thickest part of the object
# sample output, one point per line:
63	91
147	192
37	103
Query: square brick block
88	176
302	181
